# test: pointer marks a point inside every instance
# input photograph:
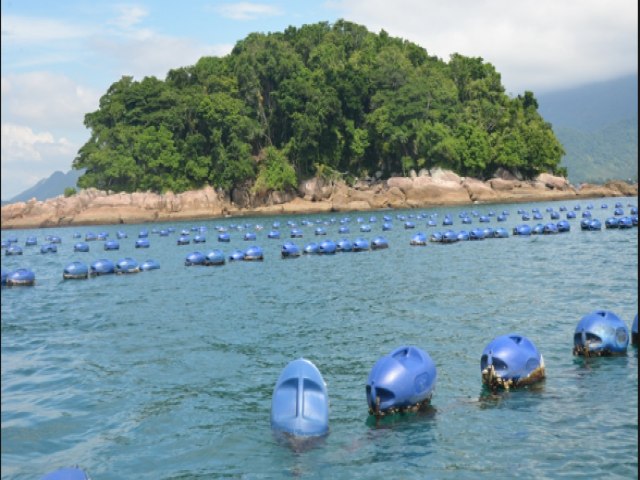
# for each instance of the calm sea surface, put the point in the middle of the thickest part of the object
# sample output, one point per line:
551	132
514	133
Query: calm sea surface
168	374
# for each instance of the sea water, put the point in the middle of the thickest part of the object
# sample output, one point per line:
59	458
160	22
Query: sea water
168	374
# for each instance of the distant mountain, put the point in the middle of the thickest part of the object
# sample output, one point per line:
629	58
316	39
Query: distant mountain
49	187
598	126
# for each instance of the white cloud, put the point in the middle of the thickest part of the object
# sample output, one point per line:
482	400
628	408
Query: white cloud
43	99
21	30
129	15
29	156
247	10
534	44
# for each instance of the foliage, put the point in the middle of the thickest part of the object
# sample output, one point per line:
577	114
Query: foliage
69	192
319	99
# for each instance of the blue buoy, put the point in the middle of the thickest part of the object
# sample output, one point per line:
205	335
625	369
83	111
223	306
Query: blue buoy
253	253
66	474
127	265
75	270
81	247
361	245
312	248
142	242
102	267
13	249
110	245
49	248
21	277
300	402
401	381
600	333
215	257
290	250
194	258
327	247
149	265
511	361
419	239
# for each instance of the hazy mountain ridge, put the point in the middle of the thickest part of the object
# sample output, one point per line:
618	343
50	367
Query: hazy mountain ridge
49	187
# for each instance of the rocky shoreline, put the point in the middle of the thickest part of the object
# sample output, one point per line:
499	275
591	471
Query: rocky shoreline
438	187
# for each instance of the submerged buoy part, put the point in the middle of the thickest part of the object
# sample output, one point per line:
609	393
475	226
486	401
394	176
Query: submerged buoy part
66	474
401	381
511	361
600	333
300	402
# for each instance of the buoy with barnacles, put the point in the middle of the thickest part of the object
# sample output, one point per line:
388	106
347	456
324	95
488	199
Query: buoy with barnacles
401	381
511	361
600	333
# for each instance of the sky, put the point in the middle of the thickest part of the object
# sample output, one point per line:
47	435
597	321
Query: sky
59	57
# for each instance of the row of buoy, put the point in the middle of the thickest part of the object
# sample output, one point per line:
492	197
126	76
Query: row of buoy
404	380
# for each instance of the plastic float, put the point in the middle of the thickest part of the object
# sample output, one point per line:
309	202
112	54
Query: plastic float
194	258
550	229
215	258
149	265
600	333
449	237
563	226
253	253
538	229
401	381
66	474
143	234
365	228
81	247
289	250
120	235
409	225
142	243
111	245
90	237
343	229
127	265
185	240
295	233
249	237
463	235
320	231
236	255
311	248
571	215
75	270
500	232
476	234
344	245
103	236
511	361
611	222
13	249
554	215
488	232
102	267
447	221
484	219
523	230
49	248
300	402
21	277
435	237
634	331
386	226
625	222
361	245
273	234
327	247
586	214
30	241
419	239
379	243
467	220
199	239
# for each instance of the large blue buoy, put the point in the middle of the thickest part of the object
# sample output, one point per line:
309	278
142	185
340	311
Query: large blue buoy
361	245
49	248
66	474
13	249
142	242
344	245
600	333
511	361
127	265
419	239
111	245
81	247
300	402
75	270
194	258
254	253
215	257
149	265
102	267
21	277
327	247
634	331
401	381
290	250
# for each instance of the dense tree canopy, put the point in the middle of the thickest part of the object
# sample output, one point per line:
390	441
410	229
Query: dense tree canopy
320	98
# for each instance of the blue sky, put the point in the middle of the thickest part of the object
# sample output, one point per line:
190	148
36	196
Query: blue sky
59	57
